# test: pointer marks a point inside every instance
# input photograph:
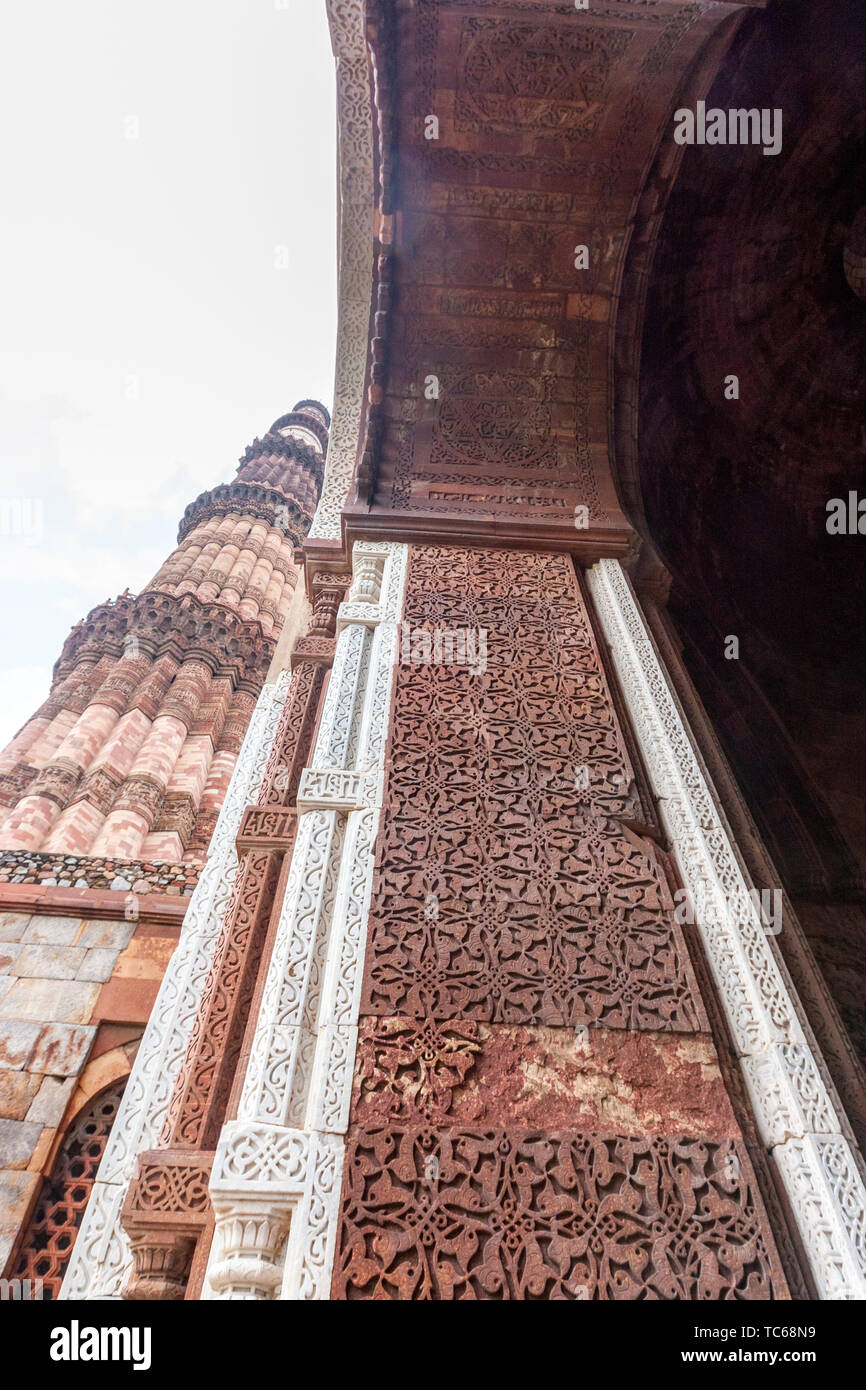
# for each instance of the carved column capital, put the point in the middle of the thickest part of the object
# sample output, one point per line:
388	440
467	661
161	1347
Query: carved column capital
165	1209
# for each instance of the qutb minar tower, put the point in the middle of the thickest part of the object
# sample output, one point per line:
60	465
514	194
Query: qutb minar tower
132	752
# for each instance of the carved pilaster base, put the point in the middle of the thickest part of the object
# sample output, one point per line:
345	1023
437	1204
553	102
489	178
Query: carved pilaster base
166	1209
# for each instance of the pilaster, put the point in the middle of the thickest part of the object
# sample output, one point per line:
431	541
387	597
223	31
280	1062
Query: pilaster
798	1114
275	1182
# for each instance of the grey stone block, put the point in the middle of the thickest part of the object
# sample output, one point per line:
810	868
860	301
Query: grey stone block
16	1194
49	1104
13	925
17	1041
111	935
17	1092
9	953
61	1048
41	961
97	964
50	1001
54	931
18	1139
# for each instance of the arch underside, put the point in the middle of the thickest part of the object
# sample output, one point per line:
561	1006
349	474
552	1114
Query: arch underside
495	393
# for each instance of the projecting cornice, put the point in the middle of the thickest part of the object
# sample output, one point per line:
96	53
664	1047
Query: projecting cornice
161	624
269	504
288	447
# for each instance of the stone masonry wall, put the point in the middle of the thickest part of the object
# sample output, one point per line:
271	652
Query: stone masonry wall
72	992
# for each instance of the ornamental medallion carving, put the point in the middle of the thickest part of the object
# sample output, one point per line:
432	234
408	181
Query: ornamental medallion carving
545	78
408	1068
495	419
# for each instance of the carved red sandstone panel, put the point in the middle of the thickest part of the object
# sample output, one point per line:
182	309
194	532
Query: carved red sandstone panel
507	887
197	1107
486	1214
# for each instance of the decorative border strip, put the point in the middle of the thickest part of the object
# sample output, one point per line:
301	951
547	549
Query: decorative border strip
355	127
793	1097
277	1168
101	1261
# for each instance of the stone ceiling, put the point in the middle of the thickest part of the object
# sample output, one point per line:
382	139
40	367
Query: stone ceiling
749	278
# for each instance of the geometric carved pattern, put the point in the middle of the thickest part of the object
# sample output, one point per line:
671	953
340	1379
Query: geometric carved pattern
535	77
166	1209
57	1215
485	1214
508	888
500	417
172	1187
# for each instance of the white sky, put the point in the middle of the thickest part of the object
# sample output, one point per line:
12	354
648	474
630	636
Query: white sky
147	333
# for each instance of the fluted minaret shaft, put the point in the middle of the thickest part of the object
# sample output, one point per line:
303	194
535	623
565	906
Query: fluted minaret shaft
131	753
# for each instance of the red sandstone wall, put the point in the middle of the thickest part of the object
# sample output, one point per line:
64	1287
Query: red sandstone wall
539	1107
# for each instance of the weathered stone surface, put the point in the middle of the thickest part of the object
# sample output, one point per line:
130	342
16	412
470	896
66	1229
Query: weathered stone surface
49	962
145	957
17	1040
60	1048
595	1080
16	1192
9	953
17	1089
55	931
50	1104
62	1001
111	935
18	1139
13	925
97	964
127	1000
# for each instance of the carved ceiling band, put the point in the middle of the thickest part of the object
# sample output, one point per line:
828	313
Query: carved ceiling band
356	172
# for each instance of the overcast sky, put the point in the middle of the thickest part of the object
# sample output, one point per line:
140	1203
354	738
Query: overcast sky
167	284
